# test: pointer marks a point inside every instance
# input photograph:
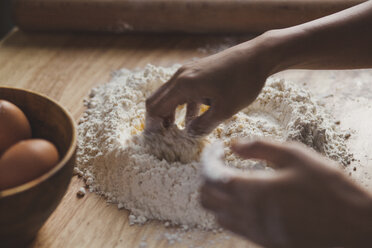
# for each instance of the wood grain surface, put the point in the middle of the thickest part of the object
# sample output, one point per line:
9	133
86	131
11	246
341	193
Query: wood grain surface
65	67
201	16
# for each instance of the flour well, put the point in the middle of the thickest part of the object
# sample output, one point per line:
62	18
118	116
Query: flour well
173	144
118	161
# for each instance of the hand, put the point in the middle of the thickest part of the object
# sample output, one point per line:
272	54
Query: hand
227	81
230	80
305	203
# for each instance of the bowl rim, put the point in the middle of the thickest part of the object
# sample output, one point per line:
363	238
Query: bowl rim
70	152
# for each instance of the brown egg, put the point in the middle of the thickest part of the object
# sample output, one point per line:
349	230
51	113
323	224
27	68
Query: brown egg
14	125
26	161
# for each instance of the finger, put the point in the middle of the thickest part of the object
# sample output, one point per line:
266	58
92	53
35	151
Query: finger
214	199
231	223
207	101
165	100
221	202
192	112
154	124
205	123
280	155
251	184
247	197
247	224
163	89
169	120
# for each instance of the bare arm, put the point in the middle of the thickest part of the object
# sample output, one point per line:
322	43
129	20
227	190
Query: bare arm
310	204
339	41
232	79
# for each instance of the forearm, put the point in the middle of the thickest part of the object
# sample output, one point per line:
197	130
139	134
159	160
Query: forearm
339	41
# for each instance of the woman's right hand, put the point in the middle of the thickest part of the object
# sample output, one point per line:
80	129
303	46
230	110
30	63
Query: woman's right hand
231	80
227	81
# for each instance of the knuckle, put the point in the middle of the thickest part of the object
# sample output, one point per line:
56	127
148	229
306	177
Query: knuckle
182	68
182	71
187	66
188	73
186	78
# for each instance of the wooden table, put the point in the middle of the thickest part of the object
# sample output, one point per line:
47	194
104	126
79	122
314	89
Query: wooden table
66	66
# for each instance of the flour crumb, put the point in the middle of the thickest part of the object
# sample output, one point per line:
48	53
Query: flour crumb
77	172
137	219
81	192
89	181
116	161
172	238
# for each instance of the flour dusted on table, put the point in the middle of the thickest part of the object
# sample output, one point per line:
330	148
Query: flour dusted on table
152	182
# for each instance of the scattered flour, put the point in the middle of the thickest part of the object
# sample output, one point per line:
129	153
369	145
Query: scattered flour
118	161
81	192
143	244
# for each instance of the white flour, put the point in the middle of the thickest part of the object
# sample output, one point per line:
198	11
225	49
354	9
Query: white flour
174	144
116	161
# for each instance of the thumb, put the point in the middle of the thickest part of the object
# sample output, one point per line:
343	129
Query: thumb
205	123
280	155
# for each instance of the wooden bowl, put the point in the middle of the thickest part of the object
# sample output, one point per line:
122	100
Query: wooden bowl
25	208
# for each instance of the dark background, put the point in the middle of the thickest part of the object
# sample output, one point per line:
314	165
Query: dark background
5	17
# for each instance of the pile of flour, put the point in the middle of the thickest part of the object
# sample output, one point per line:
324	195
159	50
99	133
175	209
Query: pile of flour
116	161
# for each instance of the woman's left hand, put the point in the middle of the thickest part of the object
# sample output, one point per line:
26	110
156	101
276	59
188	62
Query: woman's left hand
304	203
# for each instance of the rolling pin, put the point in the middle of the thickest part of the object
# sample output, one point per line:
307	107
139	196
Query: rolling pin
188	16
